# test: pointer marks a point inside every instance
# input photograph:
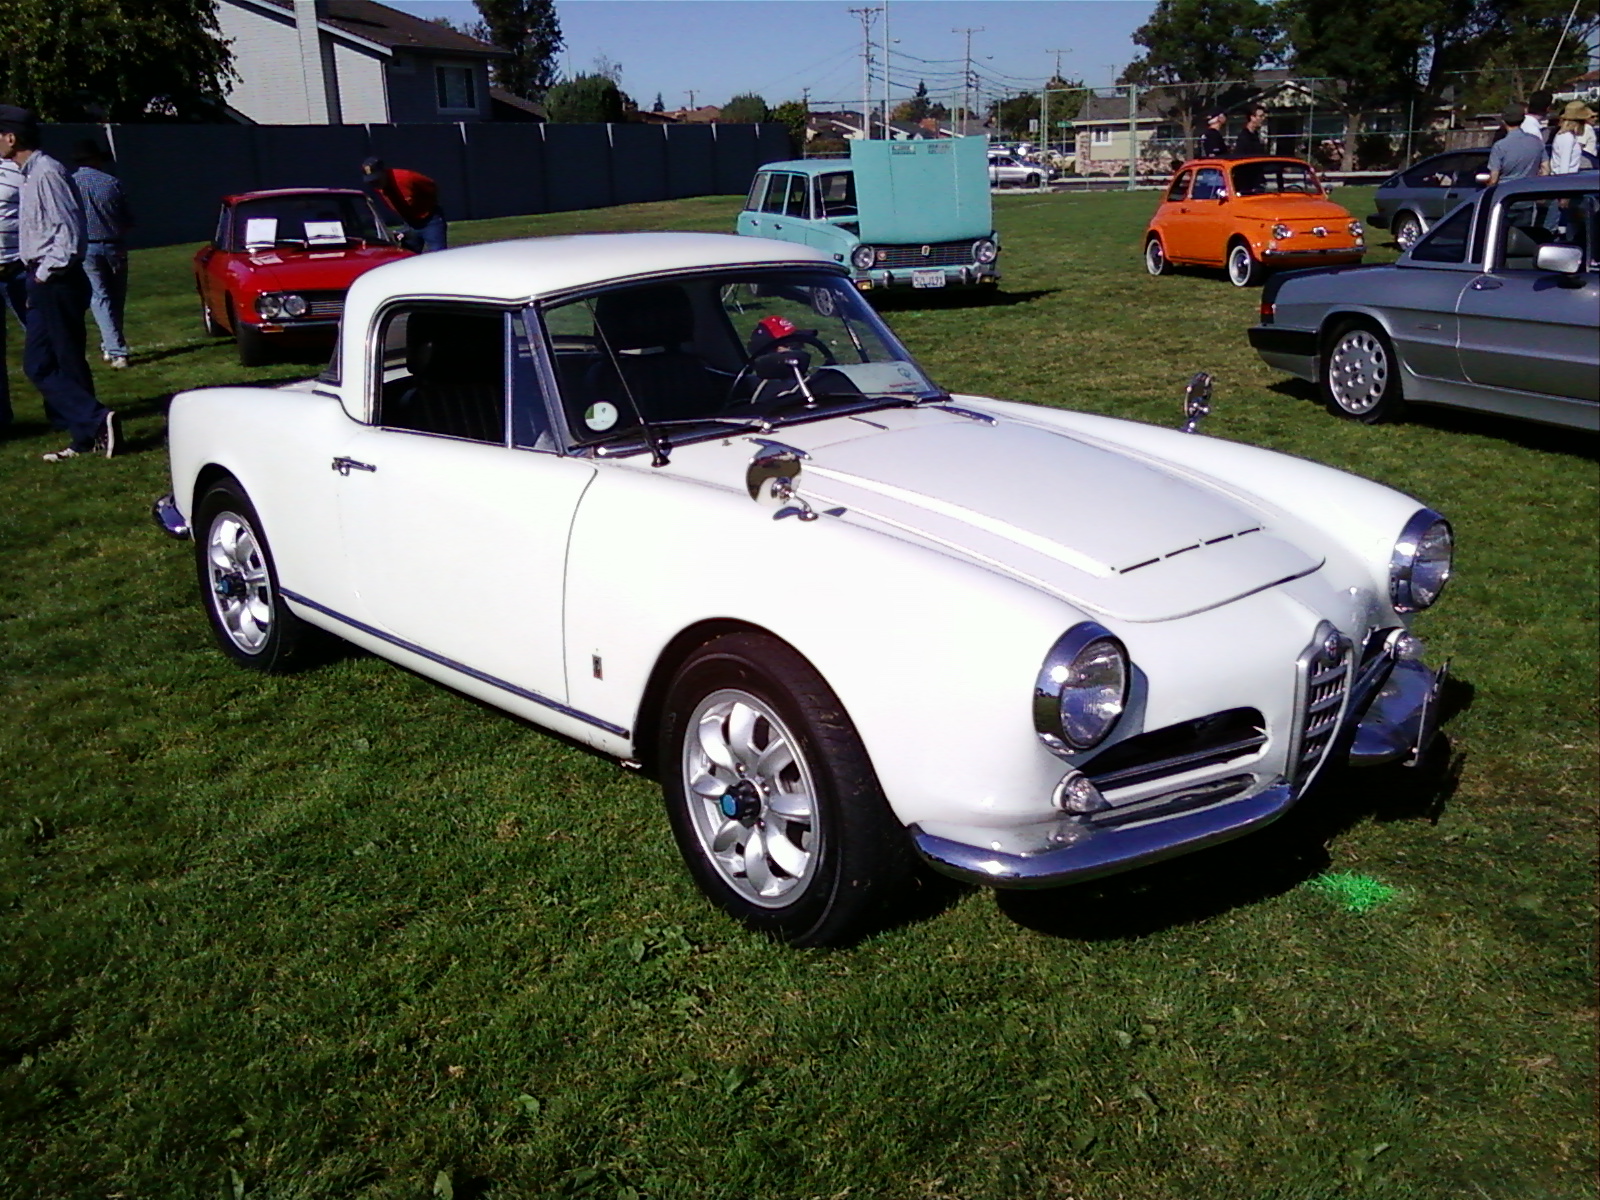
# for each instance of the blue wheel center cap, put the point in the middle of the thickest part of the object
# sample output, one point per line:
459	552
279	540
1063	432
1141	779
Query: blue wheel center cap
741	802
230	585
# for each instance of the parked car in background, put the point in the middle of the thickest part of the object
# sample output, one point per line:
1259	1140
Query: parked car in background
1006	169
1409	202
1249	215
911	214
276	273
1496	308
842	615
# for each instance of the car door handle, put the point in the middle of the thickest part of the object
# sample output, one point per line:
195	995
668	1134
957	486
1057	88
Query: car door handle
345	465
1485	285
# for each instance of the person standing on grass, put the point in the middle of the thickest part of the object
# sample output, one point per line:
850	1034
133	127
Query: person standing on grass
13	288
1250	143
1214	141
50	242
413	197
1517	155
105	260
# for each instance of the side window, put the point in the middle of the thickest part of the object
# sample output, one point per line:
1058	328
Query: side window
1208	184
758	189
795	206
837	194
442	371
777	192
1446	242
1531	221
1180	186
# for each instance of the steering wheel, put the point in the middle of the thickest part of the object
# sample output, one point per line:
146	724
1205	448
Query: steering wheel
801	337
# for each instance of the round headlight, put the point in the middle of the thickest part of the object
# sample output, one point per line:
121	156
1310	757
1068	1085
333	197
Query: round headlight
1280	231
1082	689
985	251
293	305
862	258
1357	229
1420	566
270	305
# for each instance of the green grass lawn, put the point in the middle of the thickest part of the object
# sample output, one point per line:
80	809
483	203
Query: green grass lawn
348	934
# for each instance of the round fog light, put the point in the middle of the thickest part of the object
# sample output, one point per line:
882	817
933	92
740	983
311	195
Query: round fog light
1077	794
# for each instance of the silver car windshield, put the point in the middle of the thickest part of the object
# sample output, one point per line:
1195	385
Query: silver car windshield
741	347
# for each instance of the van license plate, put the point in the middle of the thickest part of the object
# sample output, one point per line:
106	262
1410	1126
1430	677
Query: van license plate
930	278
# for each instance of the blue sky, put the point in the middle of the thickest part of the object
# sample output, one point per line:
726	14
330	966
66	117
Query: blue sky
779	48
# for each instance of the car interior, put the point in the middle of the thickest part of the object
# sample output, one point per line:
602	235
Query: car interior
444	372
1544	220
304	222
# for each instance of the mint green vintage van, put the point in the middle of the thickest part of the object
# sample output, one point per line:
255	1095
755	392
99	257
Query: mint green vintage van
912	214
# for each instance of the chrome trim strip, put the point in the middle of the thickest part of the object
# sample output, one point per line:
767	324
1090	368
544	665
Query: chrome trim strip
473	672
970	414
166	515
1156	768
1100	852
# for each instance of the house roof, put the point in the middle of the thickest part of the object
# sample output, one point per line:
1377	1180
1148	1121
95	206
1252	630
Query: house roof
394	29
1101	109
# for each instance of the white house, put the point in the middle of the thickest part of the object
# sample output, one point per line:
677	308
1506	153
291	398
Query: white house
350	62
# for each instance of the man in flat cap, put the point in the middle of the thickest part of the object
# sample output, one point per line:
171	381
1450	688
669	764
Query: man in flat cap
50	244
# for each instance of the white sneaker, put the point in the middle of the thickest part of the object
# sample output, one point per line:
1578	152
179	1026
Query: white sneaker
61	455
119	362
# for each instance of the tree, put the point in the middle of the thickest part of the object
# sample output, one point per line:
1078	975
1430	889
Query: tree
530	31
658	106
748	109
586	98
909	112
1012	116
113	60
1210	47
794	115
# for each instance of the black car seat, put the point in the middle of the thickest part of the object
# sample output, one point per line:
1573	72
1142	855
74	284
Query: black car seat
645	337
457	385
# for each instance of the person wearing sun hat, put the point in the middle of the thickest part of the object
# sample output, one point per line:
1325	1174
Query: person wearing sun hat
1574	139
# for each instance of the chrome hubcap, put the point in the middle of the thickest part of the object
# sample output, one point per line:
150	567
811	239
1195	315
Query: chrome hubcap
241	590
1239	265
1406	236
1358	372
751	798
1153	257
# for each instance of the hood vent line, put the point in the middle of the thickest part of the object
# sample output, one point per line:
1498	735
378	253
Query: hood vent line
1185	549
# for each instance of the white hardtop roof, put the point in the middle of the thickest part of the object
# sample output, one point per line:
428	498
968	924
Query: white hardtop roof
531	268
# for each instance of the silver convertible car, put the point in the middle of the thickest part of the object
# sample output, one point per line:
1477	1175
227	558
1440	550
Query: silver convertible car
1497	308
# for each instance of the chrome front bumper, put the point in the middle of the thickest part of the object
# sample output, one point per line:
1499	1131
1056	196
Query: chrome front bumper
1392	716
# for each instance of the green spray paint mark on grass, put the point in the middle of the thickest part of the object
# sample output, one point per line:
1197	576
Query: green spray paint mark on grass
1354	893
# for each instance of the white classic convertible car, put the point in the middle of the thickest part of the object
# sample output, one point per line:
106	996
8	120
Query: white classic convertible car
685	498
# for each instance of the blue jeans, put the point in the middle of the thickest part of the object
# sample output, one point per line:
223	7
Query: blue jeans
106	265
432	232
53	355
13	296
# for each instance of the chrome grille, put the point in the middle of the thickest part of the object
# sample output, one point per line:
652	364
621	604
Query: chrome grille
1204	742
323	306
940	254
1325	682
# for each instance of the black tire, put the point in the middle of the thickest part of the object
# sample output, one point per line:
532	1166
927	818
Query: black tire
1358	374
816	833
1155	257
252	344
1407	229
1034	181
1244	269
239	585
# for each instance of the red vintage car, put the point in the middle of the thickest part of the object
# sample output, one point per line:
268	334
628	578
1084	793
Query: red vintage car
278	269
1249	216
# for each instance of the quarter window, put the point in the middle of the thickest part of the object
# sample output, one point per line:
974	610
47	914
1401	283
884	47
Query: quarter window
443	372
758	189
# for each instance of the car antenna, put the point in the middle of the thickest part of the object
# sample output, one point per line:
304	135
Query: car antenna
660	447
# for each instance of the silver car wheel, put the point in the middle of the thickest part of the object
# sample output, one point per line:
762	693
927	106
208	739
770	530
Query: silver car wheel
1155	257
1242	269
751	798
1358	372
1407	229
240	585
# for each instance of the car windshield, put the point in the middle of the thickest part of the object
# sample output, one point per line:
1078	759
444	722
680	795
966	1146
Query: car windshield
305	222
747	347
1272	178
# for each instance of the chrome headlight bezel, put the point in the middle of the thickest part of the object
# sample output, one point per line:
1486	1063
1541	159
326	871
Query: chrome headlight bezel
269	306
1422	562
294	304
862	257
985	251
1066	692
1281	231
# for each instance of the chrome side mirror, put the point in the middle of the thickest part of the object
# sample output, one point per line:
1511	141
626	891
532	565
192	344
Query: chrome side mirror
771	480
1196	401
1566	260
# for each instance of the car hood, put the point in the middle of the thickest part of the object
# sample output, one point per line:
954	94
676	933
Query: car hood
1293	208
1108	532
316	270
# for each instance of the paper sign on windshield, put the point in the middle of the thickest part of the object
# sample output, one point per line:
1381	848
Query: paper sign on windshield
324	233
261	231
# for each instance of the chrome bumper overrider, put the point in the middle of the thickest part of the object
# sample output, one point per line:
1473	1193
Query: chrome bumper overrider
166	515
1392	716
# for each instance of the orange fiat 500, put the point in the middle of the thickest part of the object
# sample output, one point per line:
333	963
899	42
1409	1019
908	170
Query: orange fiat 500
1250	215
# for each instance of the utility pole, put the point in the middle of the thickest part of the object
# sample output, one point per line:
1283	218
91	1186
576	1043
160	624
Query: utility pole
691	99
886	70
967	80
1044	100
867	15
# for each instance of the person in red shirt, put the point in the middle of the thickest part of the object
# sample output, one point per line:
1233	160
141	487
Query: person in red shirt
413	197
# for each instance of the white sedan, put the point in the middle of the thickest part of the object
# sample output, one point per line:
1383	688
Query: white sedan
685	498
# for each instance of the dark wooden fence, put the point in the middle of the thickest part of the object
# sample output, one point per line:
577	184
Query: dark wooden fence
174	174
